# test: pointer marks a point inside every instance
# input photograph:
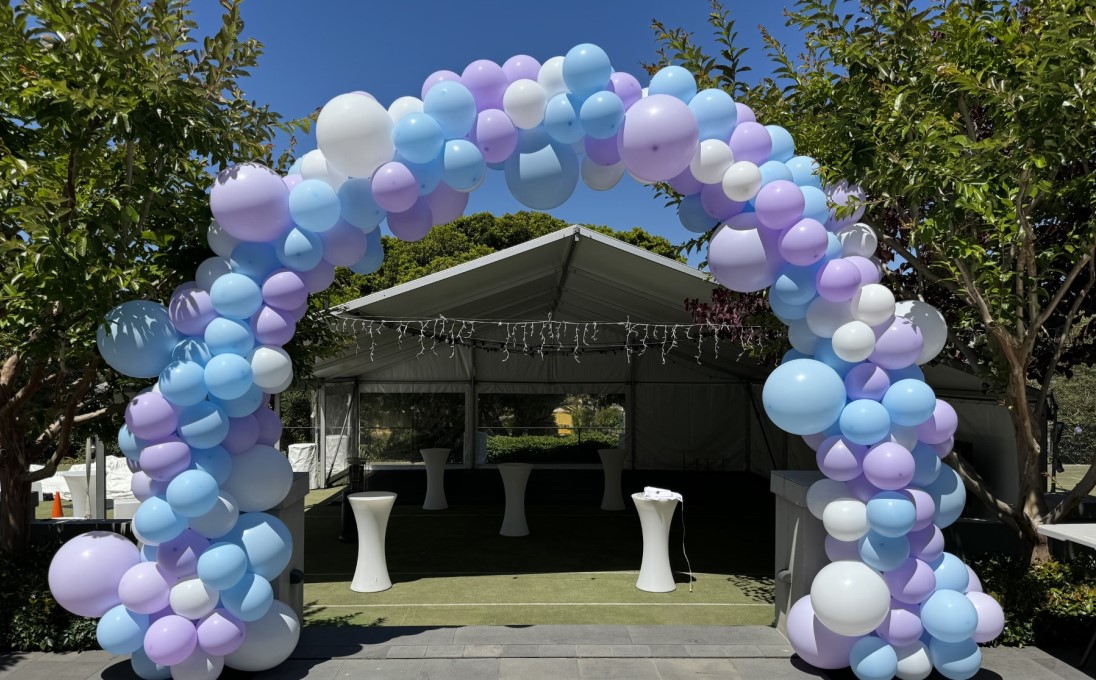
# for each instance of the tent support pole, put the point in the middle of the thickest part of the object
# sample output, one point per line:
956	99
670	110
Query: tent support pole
471	415
629	420
320	424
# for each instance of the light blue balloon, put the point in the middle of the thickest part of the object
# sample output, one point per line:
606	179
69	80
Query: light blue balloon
183	383
147	669
675	81
783	145
148	552
833	251
814	204
715	114
228	376
203	425
805	171
949	495
192	493
793	354
787	312
955	660
532	140
949	616
463	166
561	119
295	169
883	553
693	217
157	522
911	372
229	336
137	338
428	175
130	444
891	514
240	406
795	285
803	396
602	114
314	205
873	659
215	462
299	250
452	106
192	349
251	598
926	465
237	296
374	255
774	170
865	422
222	565
823	351
951	573
266	540
543	179
358	206
418	138
254	259
586	69
121	631
909	402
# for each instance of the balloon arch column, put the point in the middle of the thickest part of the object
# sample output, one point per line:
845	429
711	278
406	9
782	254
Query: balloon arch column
195	595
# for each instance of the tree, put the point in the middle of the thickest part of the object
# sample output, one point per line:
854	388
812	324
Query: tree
112	123
972	127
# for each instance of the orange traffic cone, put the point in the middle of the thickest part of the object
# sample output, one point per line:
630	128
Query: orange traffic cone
57	511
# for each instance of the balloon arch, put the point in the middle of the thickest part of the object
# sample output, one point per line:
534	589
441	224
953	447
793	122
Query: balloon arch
195	595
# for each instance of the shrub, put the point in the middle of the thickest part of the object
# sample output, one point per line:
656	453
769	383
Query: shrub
1052	602
30	619
549	449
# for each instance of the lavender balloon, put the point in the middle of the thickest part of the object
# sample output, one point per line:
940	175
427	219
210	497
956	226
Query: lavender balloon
250	202
521	66
750	141
903	624
715	201
779	205
412	224
487	82
446	204
838	280
897	345
343	245
190	309
658	138
85	573
394	187
888	466
494	135
744	114
625	86
813	642
170	640
436	78
867	381
804	243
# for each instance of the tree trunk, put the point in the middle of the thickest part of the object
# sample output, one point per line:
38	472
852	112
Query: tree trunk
14	505
1031	506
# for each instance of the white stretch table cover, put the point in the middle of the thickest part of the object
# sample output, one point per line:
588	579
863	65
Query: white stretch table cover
514	478
80	491
435	478
612	463
655	575
371	511
1082	534
125	508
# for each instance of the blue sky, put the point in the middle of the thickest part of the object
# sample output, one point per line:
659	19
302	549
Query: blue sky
317	50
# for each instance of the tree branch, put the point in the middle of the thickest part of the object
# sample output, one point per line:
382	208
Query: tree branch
1074	497
28	388
1067	282
917	264
7	373
66	421
978	486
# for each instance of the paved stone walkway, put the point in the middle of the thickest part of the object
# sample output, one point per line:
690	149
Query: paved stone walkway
534	653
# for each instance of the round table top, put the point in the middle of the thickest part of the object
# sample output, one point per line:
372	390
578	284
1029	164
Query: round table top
638	496
366	496
515	466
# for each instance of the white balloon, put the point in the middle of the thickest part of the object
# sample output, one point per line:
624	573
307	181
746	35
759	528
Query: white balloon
854	341
802	338
742	181
906	437
850	598
551	77
314	165
858	239
260	479
931	323
355	134
193	599
210	270
913	662
711	161
218	521
601	177
822	493
403	106
268	641
640	180
825	317
873	304
220	241
200	665
524	101
846	519
270	366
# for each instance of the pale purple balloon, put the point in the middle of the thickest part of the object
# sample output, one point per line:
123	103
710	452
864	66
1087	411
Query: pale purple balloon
912	582
164	460
779	204
344	244
897	344
991	618
902	626
487	82
941	426
625	86
840	194
889	466
412	224
273	326
739	260
178	558
243	433
944	448
84	574
150	416
869	271
751	142
813	642
607	151
866	381
394	187
974	584
270	426
837	550
292	180
862	489
190	309
220	633
251	202
805	243
285	289
494	135
837	281
145	588
927	544
437	77
840	459
319	277
813	441
924	508
170	640
446	203
300	312
659	138
714	201
521	66
745	114
145	487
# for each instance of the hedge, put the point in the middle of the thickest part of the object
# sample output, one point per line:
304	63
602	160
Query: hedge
549	449
30	619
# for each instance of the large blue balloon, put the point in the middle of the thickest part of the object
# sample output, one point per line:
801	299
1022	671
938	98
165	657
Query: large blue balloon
865	421
266	540
228	376
803	396
795	285
214	461
428	175
783	148
927	465
949	616
545	178
891	513
183	383
601	115
873	659
374	255
156	522
586	69
561	118
955	660
192	349
193	493
674	81
358	206
314	205
693	216
883	553
951	573
121	631
805	171
462	165
452	106
787	312
203	425
949	495
910	402
418	138
222	565
241	406
254	259
715	113
229	336
249	599
237	296
772	171
815	203
299	250
137	338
